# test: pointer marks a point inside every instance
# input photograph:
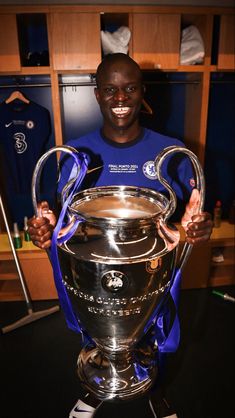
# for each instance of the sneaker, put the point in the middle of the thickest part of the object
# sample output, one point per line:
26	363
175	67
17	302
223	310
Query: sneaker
161	409
83	410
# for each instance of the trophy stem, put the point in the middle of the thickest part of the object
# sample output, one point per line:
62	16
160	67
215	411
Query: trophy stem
116	376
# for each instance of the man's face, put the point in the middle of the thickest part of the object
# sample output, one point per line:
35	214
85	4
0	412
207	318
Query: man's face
120	94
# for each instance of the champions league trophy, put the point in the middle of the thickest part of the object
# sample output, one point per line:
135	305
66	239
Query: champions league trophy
115	261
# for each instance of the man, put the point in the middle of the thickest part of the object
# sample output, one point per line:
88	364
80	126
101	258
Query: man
122	153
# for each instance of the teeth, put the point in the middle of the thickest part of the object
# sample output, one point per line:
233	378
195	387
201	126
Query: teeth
120	110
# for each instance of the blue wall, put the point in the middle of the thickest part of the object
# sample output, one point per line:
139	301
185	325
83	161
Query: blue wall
220	148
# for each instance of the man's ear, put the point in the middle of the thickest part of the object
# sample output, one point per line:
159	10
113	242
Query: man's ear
97	95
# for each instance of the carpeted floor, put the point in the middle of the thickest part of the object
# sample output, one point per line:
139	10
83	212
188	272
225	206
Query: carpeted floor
38	363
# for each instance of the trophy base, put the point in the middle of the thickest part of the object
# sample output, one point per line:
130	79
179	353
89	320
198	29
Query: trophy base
119	376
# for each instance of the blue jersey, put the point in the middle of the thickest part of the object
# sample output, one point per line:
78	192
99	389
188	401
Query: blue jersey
24	134
130	164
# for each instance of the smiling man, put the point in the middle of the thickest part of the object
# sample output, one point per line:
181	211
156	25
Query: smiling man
120	92
123	153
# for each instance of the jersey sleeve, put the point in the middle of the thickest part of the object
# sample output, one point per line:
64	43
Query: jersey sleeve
67	170
181	175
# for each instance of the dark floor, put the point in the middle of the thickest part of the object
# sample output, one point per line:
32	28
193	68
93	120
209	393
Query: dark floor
38	363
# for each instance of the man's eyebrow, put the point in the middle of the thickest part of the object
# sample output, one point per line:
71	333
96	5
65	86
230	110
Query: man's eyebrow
104	85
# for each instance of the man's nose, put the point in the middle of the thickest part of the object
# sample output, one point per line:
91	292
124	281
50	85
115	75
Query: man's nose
120	95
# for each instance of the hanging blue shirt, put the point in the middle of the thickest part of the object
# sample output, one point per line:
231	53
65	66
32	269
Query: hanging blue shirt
25	131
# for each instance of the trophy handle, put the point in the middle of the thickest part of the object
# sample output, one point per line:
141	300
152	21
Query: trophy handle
38	169
199	184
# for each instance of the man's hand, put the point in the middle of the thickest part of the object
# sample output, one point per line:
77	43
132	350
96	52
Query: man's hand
198	226
41	227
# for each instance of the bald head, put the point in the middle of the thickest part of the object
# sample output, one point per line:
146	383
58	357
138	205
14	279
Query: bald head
118	59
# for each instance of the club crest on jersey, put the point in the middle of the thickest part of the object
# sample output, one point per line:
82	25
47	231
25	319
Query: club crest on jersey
29	124
149	170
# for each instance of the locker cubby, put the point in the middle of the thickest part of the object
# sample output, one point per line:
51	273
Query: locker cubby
33	39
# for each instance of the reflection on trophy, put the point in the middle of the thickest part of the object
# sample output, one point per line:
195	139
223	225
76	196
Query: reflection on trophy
117	258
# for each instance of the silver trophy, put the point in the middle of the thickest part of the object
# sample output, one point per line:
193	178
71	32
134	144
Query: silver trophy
117	256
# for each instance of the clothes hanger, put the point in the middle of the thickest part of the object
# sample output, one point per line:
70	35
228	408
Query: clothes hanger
147	108
16	95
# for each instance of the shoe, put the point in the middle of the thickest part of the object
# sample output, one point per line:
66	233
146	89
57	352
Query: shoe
161	409
84	410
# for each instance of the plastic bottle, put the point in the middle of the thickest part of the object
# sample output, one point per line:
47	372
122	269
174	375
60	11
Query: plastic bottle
26	232
217	214
17	241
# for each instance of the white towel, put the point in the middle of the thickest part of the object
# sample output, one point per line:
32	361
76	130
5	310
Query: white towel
192	49
117	41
